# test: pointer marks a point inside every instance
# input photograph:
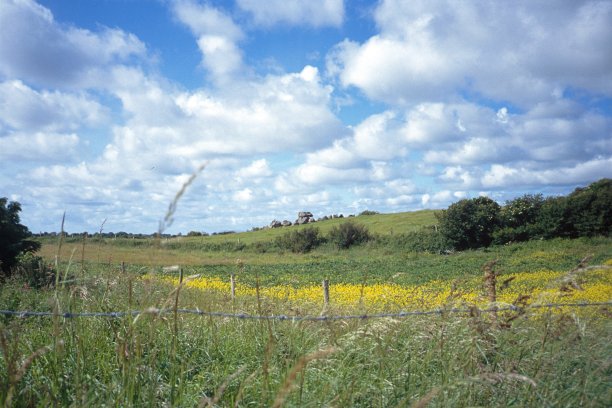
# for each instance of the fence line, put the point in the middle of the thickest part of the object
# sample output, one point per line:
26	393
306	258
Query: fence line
439	311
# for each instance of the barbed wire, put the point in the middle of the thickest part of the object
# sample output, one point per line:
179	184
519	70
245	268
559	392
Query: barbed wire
282	317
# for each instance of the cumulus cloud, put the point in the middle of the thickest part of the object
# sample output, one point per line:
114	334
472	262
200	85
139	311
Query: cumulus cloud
500	176
35	48
23	108
217	37
168	132
39	147
278	113
315	13
243	195
432	49
258	168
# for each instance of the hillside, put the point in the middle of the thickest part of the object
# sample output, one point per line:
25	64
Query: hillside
381	224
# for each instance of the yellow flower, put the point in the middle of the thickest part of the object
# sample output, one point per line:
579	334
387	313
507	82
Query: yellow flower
541	287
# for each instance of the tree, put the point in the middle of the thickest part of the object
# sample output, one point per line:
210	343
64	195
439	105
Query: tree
13	235
470	223
589	210
518	218
550	221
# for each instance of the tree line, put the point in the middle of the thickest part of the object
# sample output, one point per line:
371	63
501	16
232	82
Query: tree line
480	222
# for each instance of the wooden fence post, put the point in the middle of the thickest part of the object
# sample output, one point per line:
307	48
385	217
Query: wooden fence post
326	292
123	267
180	276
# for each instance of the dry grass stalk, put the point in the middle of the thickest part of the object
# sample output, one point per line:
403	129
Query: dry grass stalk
496	378
423	402
169	217
211	402
490	285
248	380
288	385
490	280
59	249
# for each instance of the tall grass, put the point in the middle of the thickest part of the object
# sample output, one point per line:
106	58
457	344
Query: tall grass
185	360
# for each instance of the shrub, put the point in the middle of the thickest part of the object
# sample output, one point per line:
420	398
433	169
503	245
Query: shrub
518	219
427	239
13	236
348	234
33	271
368	212
589	210
300	240
470	223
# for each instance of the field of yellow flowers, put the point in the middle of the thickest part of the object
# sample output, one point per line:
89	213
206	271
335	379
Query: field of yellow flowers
586	285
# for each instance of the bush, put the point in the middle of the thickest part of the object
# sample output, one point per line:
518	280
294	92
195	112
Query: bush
348	234
427	239
589	210
13	236
550	221
300	240
368	212
518	219
33	271
470	223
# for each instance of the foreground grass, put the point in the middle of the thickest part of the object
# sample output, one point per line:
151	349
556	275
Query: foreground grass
539	359
183	360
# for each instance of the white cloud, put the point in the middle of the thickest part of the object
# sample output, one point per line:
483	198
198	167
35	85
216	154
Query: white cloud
499	176
244	195
23	108
39	147
315	13
67	56
460	176
203	19
430	50
278	113
430	123
217	37
376	138
258	168
169	132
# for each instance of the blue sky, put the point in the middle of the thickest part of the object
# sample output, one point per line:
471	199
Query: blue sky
108	106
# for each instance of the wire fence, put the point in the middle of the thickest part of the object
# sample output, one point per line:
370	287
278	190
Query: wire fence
282	317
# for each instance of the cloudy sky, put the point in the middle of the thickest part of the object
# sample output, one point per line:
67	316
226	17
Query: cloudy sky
107	107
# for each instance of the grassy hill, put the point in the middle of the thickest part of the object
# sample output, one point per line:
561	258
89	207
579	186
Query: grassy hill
378	224
220	248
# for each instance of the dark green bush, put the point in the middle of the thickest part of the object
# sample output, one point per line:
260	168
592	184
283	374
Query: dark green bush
348	234
588	210
550	221
518	219
427	239
470	223
368	212
300	240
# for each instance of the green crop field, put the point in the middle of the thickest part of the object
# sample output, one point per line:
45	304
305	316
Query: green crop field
557	356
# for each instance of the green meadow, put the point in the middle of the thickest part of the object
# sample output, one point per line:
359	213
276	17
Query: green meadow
163	357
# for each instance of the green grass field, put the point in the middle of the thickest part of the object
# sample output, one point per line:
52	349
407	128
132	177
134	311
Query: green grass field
558	357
